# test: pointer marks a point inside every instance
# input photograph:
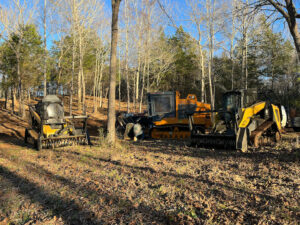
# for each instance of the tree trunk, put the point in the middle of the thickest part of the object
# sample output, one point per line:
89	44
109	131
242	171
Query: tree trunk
45	50
231	43
134	91
295	34
6	98
119	79
127	82
232	73
29	96
83	93
211	49
95	84
143	86
73	73
111	136
20	88
243	80
148	49
79	81
202	75
59	66
289	12
100	83
73	60
101	96
246	51
126	57
202	78
272	82
13	97
5	91
137	86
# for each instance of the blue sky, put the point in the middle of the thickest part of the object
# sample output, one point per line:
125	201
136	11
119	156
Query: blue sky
179	16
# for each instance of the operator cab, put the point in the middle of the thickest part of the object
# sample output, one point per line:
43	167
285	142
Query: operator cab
161	104
51	110
232	101
235	101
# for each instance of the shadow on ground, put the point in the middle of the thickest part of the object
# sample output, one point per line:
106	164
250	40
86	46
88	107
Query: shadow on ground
67	209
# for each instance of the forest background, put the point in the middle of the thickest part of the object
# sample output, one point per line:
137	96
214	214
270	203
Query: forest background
204	47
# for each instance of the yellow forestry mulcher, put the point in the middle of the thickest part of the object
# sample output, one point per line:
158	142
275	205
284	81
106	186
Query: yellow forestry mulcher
50	128
243	121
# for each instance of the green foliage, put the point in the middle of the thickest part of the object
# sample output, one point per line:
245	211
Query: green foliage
182	75
23	46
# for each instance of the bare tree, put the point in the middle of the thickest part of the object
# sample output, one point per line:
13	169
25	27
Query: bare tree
197	18
111	136
287	10
245	23
210	8
119	78
162	57
12	19
45	47
126	54
81	16
232	36
147	12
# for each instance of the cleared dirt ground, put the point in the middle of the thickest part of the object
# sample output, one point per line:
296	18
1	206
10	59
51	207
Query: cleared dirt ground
147	182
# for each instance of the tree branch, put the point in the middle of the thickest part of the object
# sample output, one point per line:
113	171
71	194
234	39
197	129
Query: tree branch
280	10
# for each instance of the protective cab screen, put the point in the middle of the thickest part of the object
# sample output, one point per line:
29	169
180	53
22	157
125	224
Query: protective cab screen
162	105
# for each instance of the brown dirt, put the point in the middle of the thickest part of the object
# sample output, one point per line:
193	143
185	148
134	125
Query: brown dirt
146	182
12	129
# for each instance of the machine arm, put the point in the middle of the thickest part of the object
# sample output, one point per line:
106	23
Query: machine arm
244	134
249	112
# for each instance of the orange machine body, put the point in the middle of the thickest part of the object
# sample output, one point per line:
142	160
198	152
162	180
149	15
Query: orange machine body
177	126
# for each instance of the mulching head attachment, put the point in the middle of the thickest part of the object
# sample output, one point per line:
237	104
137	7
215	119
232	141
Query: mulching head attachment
215	141
56	142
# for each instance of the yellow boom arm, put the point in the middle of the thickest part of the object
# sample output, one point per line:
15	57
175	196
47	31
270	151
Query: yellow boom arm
249	112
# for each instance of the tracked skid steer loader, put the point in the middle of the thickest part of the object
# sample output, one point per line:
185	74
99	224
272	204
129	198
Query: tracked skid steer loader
50	128
243	121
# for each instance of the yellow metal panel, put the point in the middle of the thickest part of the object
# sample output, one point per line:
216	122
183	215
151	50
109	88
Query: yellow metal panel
249	112
48	131
276	116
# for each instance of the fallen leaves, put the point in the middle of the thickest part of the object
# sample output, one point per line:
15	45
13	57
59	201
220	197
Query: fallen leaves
160	184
